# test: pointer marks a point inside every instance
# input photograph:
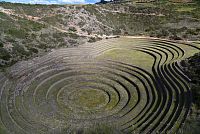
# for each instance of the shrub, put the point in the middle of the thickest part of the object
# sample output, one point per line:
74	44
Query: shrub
33	50
72	35
42	46
192	32
73	29
152	34
184	36
83	29
183	29
198	29
175	37
19	50
81	24
89	31
92	39
4	54
173	31
162	33
1	44
71	42
125	33
116	31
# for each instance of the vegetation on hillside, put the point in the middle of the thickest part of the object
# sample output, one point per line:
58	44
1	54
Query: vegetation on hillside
192	69
22	37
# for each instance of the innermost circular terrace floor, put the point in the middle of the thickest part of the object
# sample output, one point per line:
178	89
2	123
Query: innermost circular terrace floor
89	99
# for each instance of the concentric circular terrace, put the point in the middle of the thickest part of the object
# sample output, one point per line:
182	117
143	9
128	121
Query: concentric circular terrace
134	85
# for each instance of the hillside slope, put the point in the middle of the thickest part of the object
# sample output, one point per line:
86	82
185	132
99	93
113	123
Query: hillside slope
30	30
192	69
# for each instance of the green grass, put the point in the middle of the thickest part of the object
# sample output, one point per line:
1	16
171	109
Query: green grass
89	98
129	56
3	131
18	33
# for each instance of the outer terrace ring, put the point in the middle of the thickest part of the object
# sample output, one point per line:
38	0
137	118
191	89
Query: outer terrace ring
24	92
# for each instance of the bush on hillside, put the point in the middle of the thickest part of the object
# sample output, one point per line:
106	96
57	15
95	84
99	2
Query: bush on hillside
33	50
175	37
1	44
19	50
192	68
4	54
162	33
73	29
